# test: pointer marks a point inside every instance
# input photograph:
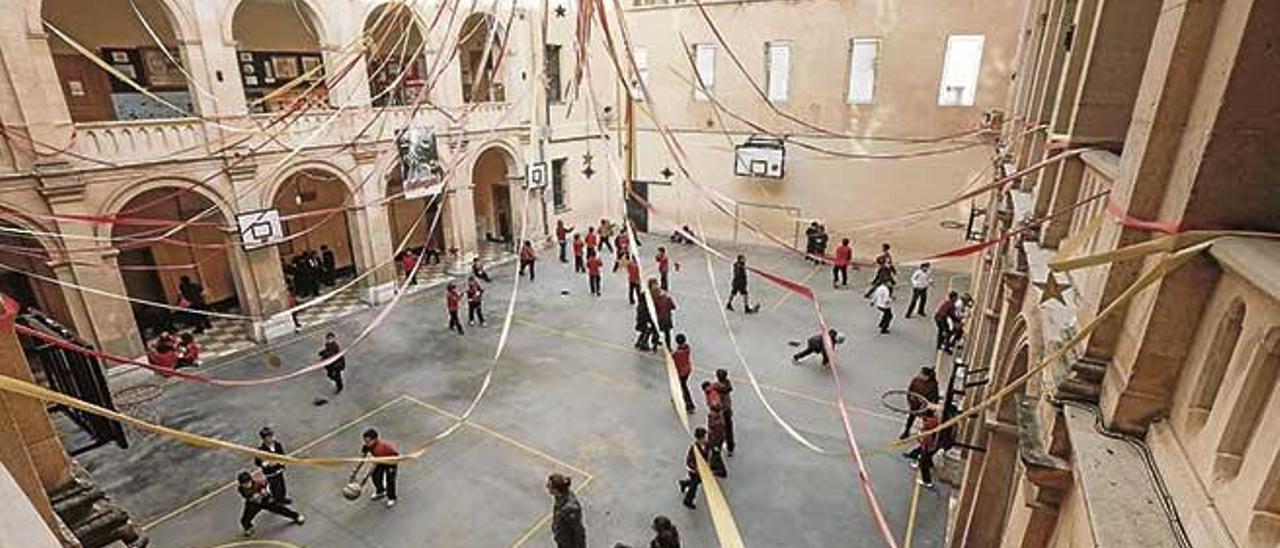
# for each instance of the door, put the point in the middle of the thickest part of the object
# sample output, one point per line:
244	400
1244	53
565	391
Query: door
502	210
86	88
636	212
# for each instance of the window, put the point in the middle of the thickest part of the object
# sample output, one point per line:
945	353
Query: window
641	55
778	67
863	55
704	58
558	183
960	70
1217	360
1256	390
551	57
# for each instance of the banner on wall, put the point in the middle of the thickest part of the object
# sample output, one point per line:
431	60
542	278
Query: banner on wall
419	162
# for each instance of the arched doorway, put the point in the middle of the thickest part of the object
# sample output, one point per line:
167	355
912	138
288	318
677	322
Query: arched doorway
114	31
154	270
481	53
276	43
402	213
395	55
21	254
491	178
311	203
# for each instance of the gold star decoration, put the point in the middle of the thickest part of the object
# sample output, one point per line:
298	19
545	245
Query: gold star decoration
1050	289
586	158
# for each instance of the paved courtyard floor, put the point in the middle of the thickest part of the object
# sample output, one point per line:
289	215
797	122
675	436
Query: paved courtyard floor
570	396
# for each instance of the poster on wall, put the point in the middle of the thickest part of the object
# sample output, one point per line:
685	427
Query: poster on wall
259	228
419	162
161	72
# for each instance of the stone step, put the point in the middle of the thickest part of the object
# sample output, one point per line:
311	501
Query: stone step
1089	370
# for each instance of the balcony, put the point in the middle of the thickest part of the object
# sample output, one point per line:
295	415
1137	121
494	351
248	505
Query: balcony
147	141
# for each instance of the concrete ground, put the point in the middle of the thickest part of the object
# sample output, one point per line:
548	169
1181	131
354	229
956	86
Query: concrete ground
570	396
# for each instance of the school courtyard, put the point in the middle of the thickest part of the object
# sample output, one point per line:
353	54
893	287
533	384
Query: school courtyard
570	396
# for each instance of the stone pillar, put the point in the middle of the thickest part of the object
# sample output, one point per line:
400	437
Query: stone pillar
32	450
110	318
992	489
1217	113
1054	56
378	248
258	273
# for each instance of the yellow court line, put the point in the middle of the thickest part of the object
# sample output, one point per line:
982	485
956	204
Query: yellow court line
538	525
205	497
911	517
621	348
500	436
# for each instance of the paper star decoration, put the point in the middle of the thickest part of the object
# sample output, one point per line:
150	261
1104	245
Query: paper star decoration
560	11
1050	289
667	173
588	172
586	158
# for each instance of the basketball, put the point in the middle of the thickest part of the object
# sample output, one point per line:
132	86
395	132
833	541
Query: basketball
273	361
352	491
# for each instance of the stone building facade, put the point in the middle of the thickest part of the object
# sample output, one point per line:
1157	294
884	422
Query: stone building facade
220	134
1153	430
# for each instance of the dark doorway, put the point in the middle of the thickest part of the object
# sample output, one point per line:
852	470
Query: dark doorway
636	212
502	209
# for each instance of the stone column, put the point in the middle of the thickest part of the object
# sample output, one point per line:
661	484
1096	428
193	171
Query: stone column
1207	95
1054	57
32	450
992	489
378	247
258	273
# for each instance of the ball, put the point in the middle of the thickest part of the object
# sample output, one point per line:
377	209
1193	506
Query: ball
352	491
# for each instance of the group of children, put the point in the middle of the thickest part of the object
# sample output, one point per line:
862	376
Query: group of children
172	353
264	487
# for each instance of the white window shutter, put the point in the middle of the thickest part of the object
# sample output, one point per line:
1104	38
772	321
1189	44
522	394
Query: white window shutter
705	62
864	54
779	68
641	55
960	68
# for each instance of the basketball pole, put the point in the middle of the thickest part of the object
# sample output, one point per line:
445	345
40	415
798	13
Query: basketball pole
629	162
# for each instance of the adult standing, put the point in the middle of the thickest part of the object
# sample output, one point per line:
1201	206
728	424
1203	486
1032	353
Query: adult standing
646	334
273	471
922	391
562	238
739	286
840	268
606	235
328	265
566	513
882	300
193	293
921	279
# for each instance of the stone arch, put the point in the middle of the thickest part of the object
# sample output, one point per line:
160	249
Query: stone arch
282	175
13	215
20	258
480	48
122	195
495	165
326	32
1257	389
1217	360
394	80
182	22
